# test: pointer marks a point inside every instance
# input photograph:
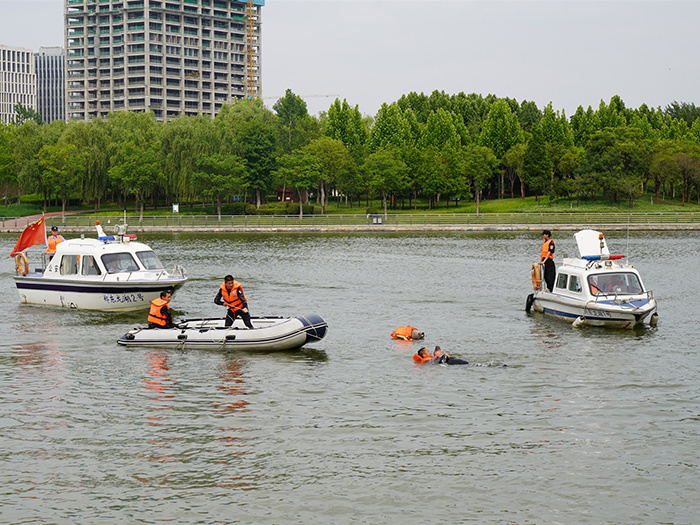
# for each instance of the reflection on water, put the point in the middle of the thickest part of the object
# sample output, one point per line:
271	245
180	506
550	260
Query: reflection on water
349	429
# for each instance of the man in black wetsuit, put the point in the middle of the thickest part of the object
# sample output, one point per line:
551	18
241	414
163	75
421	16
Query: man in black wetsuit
441	358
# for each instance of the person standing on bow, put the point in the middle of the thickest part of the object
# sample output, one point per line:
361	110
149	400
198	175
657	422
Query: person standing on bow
53	241
159	315
231	295
547	259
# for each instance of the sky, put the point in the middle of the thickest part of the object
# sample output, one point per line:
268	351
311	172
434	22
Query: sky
370	52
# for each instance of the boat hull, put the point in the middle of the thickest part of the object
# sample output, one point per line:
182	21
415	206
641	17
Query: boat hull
605	313
83	294
269	334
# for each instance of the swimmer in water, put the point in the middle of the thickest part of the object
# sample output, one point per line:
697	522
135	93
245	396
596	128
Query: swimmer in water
441	358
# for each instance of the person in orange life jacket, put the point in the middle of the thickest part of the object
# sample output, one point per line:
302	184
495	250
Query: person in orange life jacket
441	358
159	316
422	356
547	259
53	241
231	295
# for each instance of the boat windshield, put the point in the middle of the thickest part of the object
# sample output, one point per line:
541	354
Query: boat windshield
119	262
149	260
615	283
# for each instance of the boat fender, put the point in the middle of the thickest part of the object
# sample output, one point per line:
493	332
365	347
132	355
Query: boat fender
230	337
536	276
654	319
22	263
578	322
182	337
528	302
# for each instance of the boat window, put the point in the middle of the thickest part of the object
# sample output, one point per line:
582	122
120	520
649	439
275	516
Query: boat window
149	260
561	280
119	262
90	266
575	283
69	264
615	283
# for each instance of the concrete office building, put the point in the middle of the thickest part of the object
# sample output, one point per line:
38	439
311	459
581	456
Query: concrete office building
171	57
17	81
50	67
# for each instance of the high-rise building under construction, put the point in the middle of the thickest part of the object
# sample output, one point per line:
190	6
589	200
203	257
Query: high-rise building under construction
171	57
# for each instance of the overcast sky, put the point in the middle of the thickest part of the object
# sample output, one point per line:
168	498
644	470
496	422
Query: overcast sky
569	53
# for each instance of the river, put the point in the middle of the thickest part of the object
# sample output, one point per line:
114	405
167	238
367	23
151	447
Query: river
583	426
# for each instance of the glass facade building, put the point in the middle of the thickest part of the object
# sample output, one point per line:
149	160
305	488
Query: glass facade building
50	67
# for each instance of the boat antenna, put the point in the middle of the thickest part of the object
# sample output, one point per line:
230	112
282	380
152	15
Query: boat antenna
628	239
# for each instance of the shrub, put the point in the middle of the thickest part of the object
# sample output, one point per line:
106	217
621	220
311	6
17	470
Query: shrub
293	209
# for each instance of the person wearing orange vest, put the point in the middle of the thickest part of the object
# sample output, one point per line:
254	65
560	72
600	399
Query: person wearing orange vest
53	241
159	316
547	259
422	356
231	295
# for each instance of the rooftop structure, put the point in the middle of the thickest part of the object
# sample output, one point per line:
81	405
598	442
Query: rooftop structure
171	57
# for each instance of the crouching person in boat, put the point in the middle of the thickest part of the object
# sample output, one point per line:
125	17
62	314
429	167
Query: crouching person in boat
231	295
159	316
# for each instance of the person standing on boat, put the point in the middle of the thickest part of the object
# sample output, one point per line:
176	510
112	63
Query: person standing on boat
231	295
53	241
548	259
159	316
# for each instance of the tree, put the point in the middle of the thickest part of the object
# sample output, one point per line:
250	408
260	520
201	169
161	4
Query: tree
291	110
303	171
346	125
24	114
537	168
217	176
63	167
479	164
386	173
513	162
257	145
334	160
138	167
501	130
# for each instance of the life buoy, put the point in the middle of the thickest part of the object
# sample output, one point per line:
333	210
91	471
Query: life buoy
536	276
22	264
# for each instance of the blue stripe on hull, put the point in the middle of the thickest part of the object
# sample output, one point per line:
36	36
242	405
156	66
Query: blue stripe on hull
91	288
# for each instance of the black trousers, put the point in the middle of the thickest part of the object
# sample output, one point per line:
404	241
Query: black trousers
550	272
232	314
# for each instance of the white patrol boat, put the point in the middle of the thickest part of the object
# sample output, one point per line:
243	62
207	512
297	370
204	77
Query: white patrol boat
111	273
597	289
268	334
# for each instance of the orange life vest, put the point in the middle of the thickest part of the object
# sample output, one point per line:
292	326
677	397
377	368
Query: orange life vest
231	298
421	360
546	254
53	242
155	316
403	332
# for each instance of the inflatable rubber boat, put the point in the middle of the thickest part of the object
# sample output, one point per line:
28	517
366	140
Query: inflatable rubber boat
270	333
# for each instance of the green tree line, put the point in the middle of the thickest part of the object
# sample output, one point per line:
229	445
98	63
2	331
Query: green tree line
439	148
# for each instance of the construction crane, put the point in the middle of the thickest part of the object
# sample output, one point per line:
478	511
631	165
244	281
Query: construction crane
250	70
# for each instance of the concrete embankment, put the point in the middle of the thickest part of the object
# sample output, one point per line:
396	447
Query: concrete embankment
384	228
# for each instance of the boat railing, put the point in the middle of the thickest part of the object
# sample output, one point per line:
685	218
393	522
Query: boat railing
178	272
36	262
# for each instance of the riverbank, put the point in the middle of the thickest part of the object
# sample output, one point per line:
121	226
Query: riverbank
574	221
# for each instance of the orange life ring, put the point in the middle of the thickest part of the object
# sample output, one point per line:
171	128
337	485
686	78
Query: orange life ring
22	264
536	276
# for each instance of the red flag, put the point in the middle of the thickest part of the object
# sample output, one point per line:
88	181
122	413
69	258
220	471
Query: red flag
34	233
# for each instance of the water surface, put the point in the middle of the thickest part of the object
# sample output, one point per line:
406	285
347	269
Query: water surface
583	426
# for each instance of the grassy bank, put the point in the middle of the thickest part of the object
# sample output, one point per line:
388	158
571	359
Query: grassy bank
644	204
